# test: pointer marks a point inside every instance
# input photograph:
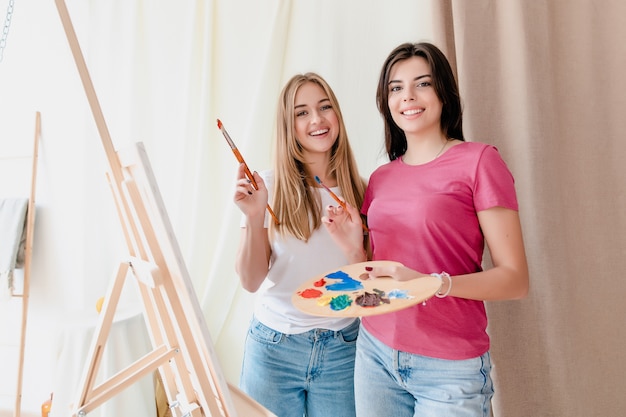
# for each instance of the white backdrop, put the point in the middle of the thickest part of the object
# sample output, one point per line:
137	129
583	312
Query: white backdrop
164	72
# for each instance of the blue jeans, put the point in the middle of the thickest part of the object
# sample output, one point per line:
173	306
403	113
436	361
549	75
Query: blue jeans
294	375
389	382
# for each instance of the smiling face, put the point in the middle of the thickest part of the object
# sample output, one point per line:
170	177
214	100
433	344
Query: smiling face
413	101
315	121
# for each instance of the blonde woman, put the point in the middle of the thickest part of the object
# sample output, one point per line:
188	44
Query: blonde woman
297	364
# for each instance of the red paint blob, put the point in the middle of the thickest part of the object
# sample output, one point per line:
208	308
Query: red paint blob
310	293
320	283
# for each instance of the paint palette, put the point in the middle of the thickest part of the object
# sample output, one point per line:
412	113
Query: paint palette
343	293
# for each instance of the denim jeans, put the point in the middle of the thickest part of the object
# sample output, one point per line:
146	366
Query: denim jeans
392	383
294	375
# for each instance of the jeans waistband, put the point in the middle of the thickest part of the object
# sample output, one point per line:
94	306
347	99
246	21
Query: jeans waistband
325	333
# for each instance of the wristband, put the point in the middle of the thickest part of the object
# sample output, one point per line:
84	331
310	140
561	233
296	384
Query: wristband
438	294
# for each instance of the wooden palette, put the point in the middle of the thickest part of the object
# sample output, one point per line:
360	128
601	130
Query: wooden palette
336	293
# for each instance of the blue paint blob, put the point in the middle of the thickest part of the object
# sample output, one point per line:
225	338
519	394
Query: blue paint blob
346	283
399	294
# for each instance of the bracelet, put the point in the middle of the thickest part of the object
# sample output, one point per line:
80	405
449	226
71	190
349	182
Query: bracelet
438	294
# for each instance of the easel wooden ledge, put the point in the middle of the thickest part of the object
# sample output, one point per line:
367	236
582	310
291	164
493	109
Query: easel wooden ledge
183	350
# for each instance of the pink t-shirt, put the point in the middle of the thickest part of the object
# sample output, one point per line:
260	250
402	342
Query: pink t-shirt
425	217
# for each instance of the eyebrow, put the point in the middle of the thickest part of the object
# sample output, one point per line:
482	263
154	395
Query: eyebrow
419	77
304	105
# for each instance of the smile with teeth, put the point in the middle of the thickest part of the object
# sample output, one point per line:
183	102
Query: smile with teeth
412	112
319	132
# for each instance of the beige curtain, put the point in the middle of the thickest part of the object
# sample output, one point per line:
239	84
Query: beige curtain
544	81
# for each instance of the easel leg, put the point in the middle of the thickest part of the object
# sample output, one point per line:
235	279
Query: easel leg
102	331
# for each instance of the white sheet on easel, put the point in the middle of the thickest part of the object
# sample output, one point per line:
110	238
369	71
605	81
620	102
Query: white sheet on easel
12	239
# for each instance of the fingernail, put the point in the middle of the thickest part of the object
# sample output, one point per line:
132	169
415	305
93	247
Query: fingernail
368	268
250	192
249	182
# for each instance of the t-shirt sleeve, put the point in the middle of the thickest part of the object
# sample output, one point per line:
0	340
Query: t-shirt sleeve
495	185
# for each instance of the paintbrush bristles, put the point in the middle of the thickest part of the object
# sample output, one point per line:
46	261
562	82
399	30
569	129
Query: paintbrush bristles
220	125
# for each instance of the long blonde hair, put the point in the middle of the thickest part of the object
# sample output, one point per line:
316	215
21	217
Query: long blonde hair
296	204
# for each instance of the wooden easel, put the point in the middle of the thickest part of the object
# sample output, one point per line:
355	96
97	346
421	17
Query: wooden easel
183	351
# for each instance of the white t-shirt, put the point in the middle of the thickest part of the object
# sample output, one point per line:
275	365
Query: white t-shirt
294	262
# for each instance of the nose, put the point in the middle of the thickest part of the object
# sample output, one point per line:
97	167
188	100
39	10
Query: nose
316	116
409	95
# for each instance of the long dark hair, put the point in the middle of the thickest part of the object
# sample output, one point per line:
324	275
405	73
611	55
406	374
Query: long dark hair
445	85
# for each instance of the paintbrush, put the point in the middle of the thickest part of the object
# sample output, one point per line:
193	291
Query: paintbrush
336	198
220	125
